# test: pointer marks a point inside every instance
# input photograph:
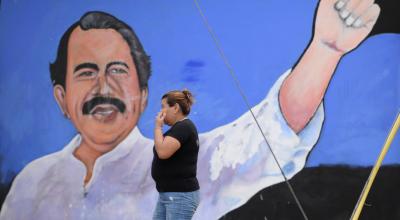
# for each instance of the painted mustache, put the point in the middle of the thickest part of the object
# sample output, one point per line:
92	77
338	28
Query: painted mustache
91	104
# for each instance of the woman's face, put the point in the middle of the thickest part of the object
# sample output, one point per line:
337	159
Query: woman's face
170	112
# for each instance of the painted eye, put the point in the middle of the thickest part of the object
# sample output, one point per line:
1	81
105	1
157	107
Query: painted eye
86	74
118	71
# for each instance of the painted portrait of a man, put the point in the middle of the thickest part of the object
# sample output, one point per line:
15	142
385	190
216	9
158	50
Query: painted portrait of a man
100	79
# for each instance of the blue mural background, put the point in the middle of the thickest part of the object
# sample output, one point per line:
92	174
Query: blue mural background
262	39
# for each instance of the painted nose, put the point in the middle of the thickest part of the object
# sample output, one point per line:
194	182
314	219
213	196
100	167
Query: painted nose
104	85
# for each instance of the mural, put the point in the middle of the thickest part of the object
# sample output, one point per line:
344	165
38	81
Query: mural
324	90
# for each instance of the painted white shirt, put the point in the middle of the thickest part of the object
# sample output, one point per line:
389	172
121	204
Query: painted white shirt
234	164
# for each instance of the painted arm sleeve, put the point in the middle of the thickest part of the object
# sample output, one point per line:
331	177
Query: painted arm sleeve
236	161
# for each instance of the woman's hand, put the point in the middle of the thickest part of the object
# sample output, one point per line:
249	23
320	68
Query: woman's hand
160	120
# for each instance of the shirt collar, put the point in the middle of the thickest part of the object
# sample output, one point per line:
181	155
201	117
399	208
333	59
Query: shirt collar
119	151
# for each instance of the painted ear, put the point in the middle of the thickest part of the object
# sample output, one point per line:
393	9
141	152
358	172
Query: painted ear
143	104
59	95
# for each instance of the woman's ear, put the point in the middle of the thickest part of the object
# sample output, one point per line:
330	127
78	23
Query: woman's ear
176	108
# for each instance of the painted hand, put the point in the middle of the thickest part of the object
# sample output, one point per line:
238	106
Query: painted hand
342	25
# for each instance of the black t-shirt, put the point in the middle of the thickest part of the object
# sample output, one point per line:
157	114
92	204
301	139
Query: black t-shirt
178	173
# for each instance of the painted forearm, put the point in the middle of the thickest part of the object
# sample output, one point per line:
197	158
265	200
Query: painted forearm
303	90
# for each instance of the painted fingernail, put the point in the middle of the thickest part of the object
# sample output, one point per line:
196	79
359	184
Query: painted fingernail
343	14
349	20
357	23
339	5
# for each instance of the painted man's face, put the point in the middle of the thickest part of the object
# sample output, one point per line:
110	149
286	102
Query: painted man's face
102	97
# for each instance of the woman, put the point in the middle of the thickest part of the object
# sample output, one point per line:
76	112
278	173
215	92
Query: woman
175	158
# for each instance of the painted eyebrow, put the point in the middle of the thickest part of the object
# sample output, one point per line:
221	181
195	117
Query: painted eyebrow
117	63
86	65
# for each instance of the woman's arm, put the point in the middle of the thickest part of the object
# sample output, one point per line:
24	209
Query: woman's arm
165	146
